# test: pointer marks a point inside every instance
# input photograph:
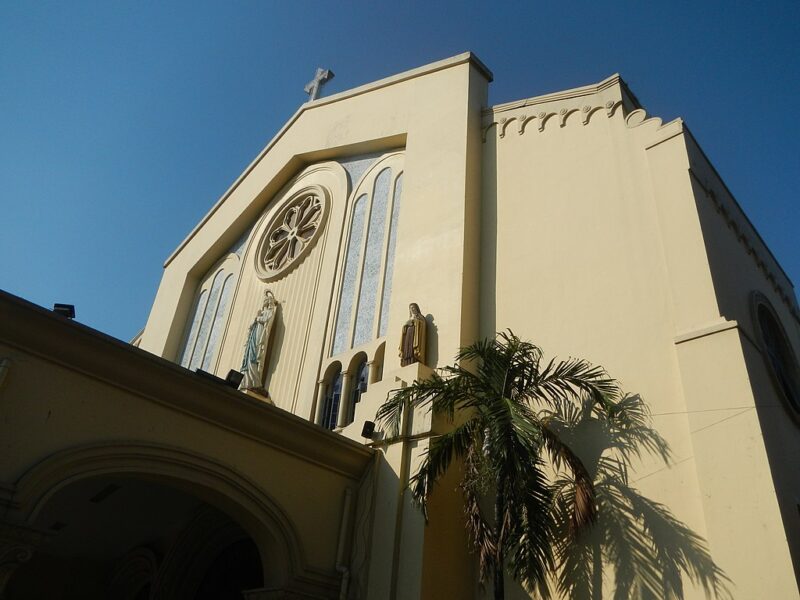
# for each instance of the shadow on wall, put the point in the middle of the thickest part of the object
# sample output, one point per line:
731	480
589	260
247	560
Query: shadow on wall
432	358
488	240
642	545
275	345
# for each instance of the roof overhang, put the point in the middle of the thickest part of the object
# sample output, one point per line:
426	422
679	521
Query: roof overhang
40	332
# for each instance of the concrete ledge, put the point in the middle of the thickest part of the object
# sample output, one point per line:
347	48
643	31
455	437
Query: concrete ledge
710	329
90	353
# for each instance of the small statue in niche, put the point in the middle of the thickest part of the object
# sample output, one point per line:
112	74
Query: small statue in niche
413	337
255	356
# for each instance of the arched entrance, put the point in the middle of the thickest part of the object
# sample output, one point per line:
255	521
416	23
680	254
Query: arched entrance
149	522
130	538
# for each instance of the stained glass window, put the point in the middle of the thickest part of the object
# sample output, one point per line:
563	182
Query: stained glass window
366	285
210	313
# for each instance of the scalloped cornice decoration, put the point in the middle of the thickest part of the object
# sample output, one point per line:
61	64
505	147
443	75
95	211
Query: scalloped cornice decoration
639	117
751	248
538	120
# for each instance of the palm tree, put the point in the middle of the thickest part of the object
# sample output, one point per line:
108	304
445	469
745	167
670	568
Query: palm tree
505	445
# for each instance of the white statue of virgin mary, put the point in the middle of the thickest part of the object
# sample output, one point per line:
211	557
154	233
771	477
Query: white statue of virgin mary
254	360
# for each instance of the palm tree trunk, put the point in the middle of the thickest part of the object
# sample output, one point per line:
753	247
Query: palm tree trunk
499	571
499	584
597	573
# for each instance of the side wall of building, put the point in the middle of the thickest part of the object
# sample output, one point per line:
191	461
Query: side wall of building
572	219
595	246
745	275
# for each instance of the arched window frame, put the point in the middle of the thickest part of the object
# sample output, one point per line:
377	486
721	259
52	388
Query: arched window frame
329	398
357	379
200	351
348	299
376	370
785	375
366	363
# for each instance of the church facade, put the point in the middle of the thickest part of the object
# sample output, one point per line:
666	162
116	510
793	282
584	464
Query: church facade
380	230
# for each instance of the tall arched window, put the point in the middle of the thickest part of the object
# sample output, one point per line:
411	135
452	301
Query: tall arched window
366	284
210	316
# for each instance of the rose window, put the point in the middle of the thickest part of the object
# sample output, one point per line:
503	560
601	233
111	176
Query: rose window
290	234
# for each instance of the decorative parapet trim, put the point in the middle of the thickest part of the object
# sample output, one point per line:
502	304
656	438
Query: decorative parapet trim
543	117
606	96
639	117
731	212
747	236
654	126
609	83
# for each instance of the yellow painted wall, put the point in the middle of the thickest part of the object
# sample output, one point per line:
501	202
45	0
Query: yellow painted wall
572	219
597	244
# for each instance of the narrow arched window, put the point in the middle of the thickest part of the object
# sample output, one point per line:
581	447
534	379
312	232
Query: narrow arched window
330	409
209	317
359	387
366	278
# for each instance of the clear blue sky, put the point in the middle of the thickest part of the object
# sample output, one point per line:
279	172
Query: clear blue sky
122	123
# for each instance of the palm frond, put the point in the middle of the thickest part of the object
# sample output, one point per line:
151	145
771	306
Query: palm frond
518	417
529	543
442	450
443	393
390	413
566	379
479	531
584	508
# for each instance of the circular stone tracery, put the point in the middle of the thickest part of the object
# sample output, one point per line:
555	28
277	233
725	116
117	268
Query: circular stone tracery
291	233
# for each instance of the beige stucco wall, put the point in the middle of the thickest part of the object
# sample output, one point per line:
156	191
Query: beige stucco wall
595	244
106	409
573	220
742	266
576	263
433	116
434	113
300	329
